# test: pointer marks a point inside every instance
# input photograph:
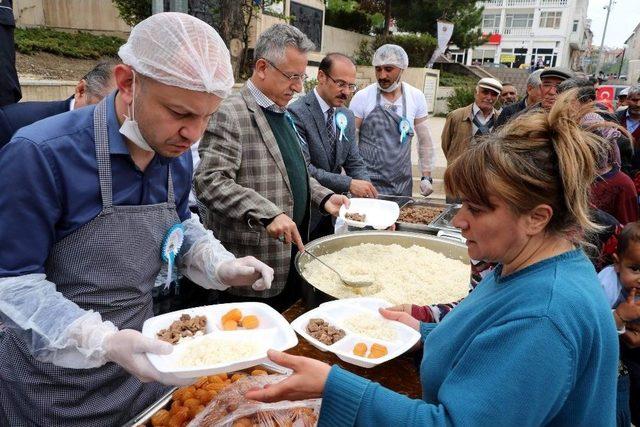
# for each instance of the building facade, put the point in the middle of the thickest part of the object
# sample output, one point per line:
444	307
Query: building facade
522	33
633	44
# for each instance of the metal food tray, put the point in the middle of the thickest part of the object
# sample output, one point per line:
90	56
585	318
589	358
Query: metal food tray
424	228
443	222
163	403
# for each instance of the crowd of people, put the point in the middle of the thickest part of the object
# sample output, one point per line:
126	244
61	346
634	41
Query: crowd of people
156	146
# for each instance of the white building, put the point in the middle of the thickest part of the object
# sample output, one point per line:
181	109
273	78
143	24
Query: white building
528	31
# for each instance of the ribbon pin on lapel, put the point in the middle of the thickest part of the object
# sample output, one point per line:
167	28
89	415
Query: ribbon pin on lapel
341	123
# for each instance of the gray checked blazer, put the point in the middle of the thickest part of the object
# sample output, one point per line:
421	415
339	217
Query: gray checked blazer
242	179
310	121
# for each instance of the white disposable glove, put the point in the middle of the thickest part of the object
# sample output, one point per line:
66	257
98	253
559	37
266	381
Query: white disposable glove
127	348
426	187
244	272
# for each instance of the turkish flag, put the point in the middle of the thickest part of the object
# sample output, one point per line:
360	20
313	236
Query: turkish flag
605	95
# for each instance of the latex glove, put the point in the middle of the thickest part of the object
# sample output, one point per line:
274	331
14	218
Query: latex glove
127	348
426	187
244	272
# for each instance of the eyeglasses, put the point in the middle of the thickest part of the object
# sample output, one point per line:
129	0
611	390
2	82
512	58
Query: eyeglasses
342	84
291	77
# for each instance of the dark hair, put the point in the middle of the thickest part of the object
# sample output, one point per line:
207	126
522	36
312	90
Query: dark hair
586	91
630	234
98	78
327	61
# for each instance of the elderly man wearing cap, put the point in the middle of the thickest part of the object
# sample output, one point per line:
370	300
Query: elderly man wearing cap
94	200
253	177
473	120
622	99
533	97
551	78
388	114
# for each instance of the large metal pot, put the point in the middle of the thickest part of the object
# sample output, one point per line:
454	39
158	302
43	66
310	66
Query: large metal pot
326	245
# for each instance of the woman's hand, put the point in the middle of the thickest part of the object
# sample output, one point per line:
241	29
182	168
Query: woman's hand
307	381
406	308
402	317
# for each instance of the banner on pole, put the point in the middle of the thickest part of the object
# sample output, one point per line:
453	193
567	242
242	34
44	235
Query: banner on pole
445	30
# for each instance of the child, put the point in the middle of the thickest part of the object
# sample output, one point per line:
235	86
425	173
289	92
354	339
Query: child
621	282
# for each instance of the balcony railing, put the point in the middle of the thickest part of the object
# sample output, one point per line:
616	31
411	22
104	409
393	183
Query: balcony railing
493	3
517	31
520	3
490	30
553	3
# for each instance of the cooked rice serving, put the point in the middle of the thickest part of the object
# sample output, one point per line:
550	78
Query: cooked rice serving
207	350
401	275
370	325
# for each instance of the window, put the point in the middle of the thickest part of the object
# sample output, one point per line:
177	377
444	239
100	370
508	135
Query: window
519	20
550	19
491	20
575	26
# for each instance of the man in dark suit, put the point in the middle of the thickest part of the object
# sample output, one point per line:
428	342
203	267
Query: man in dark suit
9	86
328	128
90	90
531	98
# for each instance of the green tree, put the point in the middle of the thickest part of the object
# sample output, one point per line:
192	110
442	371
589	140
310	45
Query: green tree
133	11
421	16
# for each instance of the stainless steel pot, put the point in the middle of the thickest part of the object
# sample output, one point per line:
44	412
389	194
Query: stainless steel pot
314	296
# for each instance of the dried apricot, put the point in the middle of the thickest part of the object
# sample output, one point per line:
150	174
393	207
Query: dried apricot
230	325
160	418
214	379
250	322
223	376
202	395
235	377
192	403
258	372
202	381
377	350
234	315
175	405
360	349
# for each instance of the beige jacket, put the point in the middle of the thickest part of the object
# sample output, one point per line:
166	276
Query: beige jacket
457	132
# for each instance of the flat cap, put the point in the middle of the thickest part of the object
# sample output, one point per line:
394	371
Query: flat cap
557	72
624	92
491	84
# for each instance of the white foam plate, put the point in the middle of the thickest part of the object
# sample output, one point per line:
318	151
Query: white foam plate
335	313
380	214
273	332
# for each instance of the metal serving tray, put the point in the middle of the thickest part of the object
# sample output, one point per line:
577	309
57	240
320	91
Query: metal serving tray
145	416
443	222
423	228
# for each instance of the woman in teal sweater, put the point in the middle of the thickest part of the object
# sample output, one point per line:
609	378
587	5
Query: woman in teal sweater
534	343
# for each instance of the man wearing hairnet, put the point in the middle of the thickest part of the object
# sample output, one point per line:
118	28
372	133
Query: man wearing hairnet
253	176
388	114
92	199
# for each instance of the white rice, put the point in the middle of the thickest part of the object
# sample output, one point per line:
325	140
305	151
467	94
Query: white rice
401	275
207	350
370	325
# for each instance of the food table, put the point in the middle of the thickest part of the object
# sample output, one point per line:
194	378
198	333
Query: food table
399	374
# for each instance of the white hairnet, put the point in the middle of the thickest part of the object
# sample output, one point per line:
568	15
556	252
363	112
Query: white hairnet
179	50
391	54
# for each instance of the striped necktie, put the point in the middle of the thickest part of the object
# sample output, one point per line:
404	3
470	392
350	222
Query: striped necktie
332	135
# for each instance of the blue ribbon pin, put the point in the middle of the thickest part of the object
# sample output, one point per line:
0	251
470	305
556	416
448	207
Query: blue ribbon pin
170	248
341	123
405	127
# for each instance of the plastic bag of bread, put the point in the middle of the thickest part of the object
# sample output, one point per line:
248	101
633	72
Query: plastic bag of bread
230	408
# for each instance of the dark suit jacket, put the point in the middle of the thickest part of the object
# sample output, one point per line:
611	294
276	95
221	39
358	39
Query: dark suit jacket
9	85
310	122
630	158
510	111
16	116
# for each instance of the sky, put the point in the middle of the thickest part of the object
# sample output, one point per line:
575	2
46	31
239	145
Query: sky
625	15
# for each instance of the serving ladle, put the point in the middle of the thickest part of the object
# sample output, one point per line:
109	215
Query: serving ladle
353	281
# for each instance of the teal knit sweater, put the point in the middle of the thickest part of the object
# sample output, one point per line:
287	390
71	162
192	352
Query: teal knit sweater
537	347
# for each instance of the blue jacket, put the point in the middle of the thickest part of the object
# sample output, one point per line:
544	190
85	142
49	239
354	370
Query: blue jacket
16	116
536	347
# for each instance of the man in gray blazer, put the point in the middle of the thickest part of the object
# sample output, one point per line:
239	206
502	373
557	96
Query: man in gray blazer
329	134
253	176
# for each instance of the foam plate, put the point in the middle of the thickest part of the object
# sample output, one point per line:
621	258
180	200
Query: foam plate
380	214
273	332
336	312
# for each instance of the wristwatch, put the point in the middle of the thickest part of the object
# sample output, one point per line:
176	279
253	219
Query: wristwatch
427	178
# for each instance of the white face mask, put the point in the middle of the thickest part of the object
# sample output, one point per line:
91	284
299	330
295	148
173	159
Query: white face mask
130	128
393	87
